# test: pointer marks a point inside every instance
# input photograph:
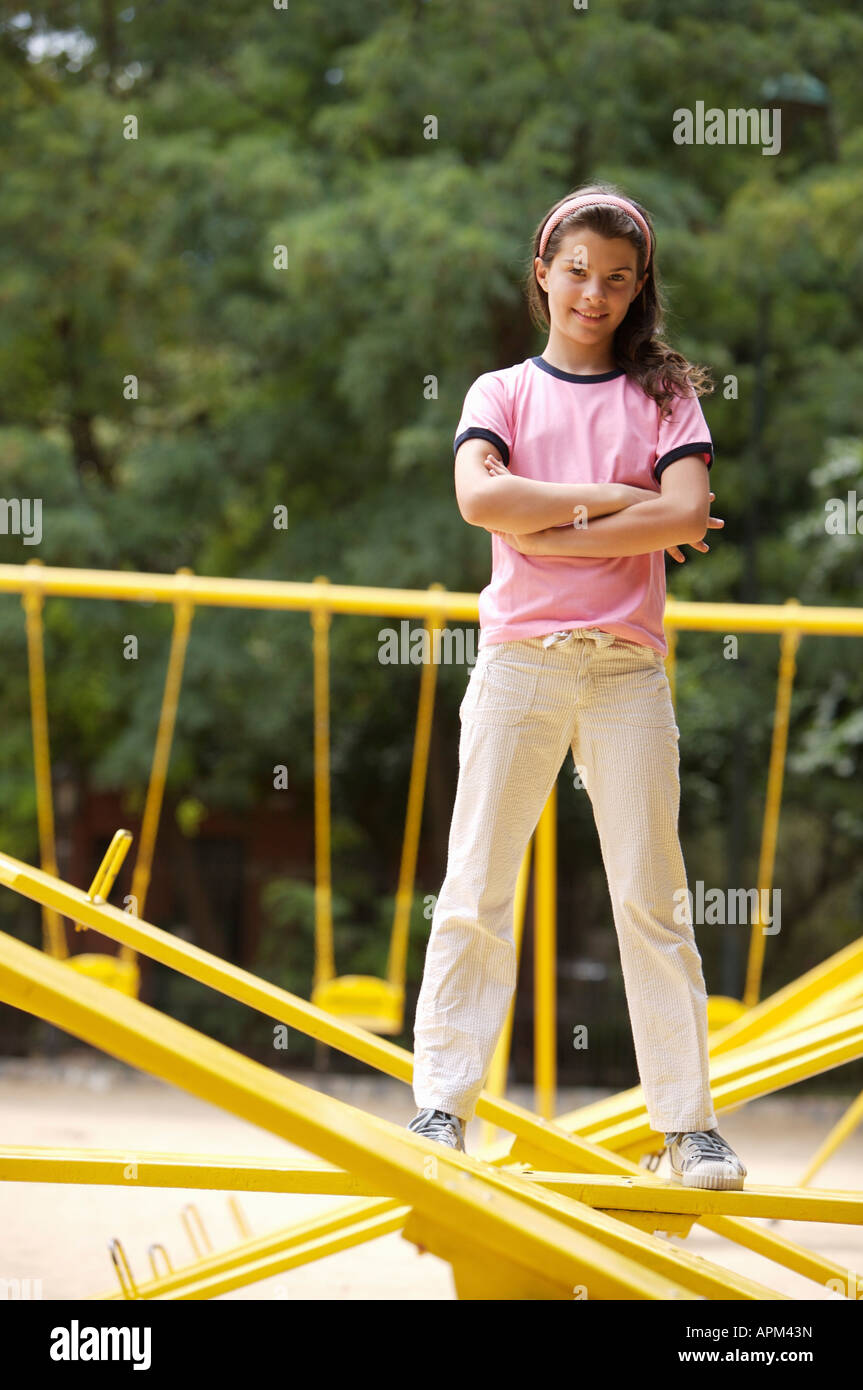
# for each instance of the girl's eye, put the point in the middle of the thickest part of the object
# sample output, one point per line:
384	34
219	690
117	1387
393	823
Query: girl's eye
579	270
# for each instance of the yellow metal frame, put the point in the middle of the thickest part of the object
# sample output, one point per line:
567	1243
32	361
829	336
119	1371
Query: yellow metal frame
53	929
376	1003
368	1002
813	1024
183	613
363	1145
120	972
545	959
543	1244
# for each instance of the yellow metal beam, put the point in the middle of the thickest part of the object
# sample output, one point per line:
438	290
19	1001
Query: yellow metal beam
841	1131
840	969
53	926
258	1258
837	1041
530	1231
639	1194
241	1173
203	590
552	1149
325	961
237	1268
823	993
545	959
220	1173
538	1141
397	958
183	614
789	642
749	1073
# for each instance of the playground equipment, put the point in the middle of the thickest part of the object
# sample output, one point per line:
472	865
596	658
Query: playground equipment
555	1213
377	1004
722	1009
813	1024
120	972
364	1000
115	971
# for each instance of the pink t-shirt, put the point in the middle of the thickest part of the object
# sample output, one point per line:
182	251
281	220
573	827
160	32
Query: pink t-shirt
558	427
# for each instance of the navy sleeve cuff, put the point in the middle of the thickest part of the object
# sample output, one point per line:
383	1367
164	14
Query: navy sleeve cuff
683	451
477	433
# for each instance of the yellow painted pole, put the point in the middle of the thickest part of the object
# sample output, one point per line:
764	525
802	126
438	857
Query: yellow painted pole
496	1082
110	866
191	1218
398	952
53	926
545	959
828	985
282	596
151	1252
183	613
325	966
240	1219
112	862
842	1130
789	643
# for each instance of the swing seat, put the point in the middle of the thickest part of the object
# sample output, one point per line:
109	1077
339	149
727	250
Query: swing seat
122	975
363	1000
722	1010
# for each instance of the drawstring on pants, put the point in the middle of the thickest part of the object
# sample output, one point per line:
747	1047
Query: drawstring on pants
565	634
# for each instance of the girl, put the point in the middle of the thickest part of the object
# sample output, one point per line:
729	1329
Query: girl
585	464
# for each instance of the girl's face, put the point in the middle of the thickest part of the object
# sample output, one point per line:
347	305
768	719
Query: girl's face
590	285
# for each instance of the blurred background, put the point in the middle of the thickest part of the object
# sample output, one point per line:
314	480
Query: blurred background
154	160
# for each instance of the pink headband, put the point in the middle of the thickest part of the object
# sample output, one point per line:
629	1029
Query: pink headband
585	200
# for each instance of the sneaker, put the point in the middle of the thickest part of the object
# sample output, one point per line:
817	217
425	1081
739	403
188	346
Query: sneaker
702	1158
440	1125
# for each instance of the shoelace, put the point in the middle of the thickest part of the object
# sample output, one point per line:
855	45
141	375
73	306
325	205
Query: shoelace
437	1124
702	1144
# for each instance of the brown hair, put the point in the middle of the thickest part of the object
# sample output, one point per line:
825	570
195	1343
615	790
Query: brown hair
638	347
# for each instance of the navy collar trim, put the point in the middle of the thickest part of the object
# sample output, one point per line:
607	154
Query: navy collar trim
572	376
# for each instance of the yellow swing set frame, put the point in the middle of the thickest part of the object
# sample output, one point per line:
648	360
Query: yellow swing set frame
377	1005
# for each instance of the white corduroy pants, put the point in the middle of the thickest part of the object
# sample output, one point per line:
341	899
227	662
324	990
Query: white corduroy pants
527	703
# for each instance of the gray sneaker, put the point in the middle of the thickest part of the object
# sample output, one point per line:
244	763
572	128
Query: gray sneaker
440	1125
702	1158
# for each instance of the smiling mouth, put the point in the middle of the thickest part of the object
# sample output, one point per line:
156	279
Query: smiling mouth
589	318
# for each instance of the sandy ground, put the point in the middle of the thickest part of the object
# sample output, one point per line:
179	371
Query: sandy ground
59	1233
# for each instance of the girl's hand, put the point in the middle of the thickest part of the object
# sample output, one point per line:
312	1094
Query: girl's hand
494	468
714	523
529	543
494	465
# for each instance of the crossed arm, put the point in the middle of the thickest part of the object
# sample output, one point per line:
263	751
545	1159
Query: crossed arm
536	517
